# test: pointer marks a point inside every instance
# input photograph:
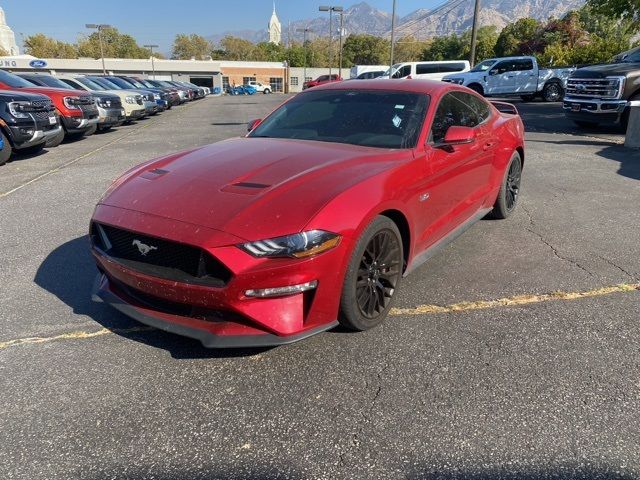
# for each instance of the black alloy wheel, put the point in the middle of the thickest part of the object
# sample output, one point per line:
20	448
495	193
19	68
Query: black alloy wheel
373	276
514	176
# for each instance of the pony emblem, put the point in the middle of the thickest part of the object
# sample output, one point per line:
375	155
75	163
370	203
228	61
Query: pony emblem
143	248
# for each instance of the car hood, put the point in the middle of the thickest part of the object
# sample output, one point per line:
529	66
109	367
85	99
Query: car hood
253	188
606	70
50	91
17	96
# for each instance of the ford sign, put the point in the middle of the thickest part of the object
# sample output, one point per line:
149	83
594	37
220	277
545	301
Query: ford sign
37	64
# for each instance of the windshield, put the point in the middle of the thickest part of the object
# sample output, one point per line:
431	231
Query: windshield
136	83
107	84
633	57
382	119
90	84
119	82
14	81
483	66
53	82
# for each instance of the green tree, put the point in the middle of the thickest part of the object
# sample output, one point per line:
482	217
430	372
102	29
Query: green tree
448	47
39	45
268	52
514	35
235	48
365	49
485	45
186	47
115	45
628	10
408	49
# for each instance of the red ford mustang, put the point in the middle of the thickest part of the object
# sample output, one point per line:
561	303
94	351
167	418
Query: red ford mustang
311	220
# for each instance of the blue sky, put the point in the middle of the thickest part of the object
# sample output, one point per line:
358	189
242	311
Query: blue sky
158	22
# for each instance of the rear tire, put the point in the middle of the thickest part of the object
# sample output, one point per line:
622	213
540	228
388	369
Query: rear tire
373	275
5	153
267	91
509	190
55	141
553	92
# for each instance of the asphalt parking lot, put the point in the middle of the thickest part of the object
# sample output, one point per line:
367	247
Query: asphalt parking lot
508	355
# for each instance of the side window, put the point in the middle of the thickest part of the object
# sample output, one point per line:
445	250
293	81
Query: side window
523	65
451	67
503	67
69	82
481	107
424	68
402	72
453	111
323	78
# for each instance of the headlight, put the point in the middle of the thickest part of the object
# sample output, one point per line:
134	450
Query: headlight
457	81
156	96
16	109
104	103
298	245
72	102
130	99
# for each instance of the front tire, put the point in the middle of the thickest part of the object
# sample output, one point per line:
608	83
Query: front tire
55	141
477	88
267	91
373	276
509	190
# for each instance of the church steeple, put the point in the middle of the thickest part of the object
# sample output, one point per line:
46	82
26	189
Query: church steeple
7	37
275	28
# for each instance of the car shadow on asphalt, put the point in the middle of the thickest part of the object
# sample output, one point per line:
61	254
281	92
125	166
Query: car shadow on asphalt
68	273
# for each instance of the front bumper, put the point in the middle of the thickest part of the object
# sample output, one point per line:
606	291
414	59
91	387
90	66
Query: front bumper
25	140
151	108
594	110
136	114
222	315
108	117
78	124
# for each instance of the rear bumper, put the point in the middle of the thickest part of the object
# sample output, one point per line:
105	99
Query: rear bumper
104	292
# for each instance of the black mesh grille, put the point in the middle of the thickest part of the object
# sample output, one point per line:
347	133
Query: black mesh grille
89	111
44	104
43	115
159	257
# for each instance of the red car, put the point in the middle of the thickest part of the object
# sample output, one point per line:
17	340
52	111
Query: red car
321	80
312	219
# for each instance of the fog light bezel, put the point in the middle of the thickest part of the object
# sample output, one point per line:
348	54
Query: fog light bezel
285	291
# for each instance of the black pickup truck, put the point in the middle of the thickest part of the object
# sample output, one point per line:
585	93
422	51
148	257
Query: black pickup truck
600	94
27	121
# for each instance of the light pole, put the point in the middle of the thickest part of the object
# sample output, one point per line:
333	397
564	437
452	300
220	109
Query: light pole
331	9
474	33
304	32
340	51
393	31
153	65
99	27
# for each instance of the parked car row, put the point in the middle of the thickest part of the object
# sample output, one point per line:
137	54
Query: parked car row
39	110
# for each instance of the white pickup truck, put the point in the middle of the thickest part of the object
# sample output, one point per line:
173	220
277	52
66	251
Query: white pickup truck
509	76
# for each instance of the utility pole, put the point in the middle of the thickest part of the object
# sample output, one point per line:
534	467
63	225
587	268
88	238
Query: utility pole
153	65
304	32
474	33
340	52
331	9
99	27
393	31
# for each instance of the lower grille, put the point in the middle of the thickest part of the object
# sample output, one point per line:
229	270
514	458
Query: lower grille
159	257
89	111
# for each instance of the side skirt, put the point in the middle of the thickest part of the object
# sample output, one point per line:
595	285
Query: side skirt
446	240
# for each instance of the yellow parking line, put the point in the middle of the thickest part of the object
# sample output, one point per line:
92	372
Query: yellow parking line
515	300
419	310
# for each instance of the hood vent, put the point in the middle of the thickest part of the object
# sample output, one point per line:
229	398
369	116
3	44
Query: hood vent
250	185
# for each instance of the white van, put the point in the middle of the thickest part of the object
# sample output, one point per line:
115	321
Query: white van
428	70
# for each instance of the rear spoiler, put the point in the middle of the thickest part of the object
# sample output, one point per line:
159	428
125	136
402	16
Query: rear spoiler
504	107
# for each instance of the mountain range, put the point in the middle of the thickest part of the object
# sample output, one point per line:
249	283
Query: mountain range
453	16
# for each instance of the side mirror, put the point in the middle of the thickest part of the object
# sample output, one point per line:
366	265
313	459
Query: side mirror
456	136
253	124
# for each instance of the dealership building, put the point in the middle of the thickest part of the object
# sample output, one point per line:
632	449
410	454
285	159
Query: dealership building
208	73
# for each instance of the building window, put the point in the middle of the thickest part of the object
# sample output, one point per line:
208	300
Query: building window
276	84
225	84
246	80
308	79
294	81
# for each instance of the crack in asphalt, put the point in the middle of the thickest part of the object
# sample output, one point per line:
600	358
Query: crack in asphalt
355	443
613	264
554	249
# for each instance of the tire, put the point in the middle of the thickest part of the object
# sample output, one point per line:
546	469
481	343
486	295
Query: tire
92	129
55	141
552	92
528	98
104	129
477	88
5	153
583	124
509	190
266	91
373	276
32	150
